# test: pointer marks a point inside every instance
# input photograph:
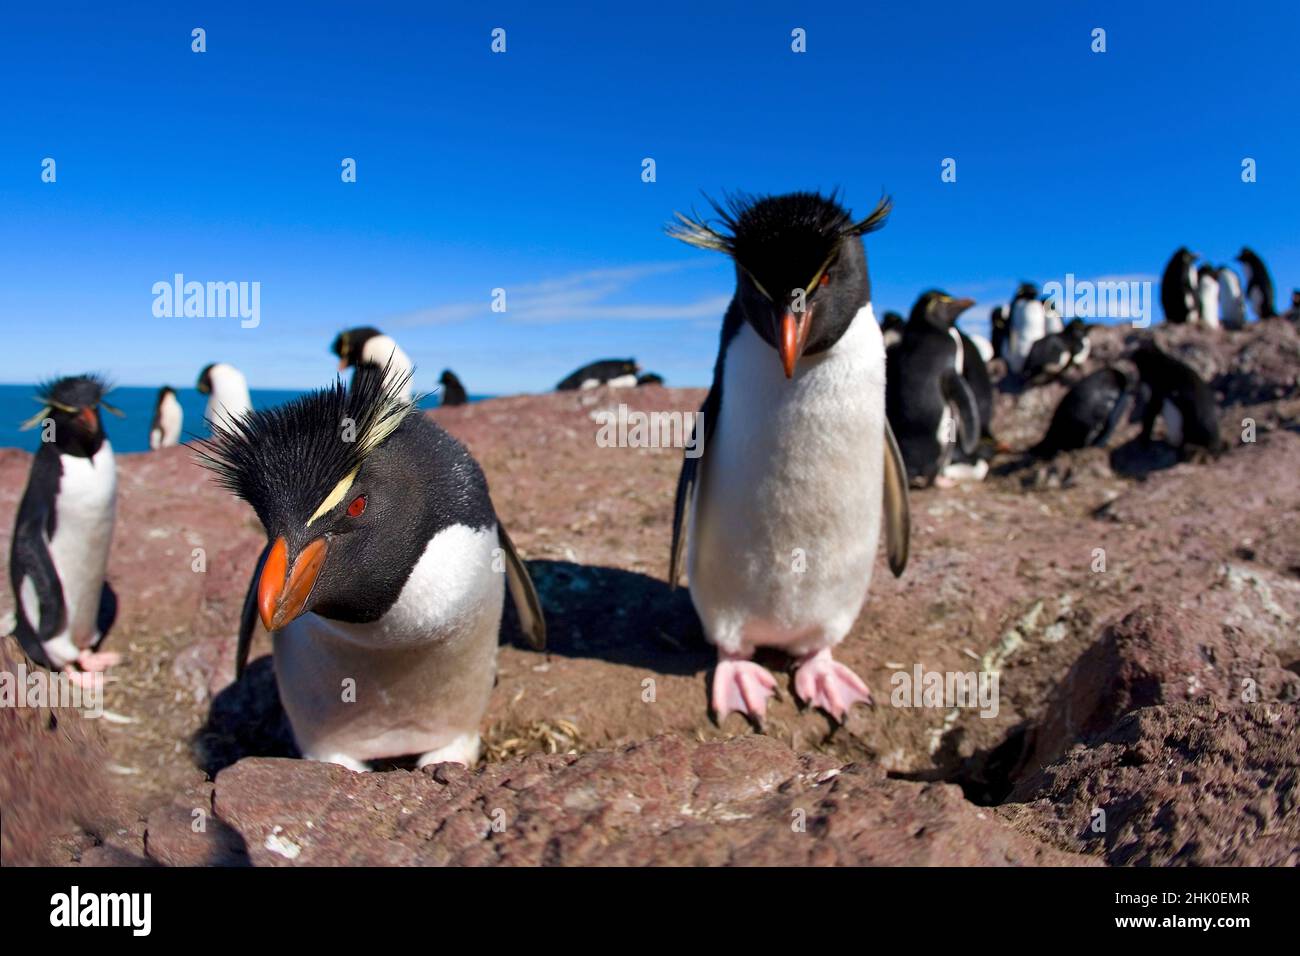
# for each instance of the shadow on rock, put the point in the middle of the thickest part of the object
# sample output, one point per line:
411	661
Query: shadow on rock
1136	458
245	720
619	616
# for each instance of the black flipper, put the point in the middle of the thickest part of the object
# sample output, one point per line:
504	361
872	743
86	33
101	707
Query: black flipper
689	479
248	616
898	515
30	559
531	619
957	391
1116	416
107	614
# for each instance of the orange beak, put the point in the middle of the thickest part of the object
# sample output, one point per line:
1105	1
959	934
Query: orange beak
343	364
91	419
282	593
793	339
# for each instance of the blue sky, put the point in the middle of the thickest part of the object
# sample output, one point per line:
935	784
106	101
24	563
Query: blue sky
523	170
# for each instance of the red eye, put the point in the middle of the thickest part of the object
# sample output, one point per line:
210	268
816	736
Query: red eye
826	280
358	505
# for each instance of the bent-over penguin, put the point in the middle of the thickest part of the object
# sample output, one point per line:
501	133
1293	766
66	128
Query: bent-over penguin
453	392
1088	413
1173	391
383	578
63	607
366	345
616	373
780	515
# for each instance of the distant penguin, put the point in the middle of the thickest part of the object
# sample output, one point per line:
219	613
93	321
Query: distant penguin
999	331
63	608
453	392
616	373
982	345
798	458
1259	284
1076	333
974	370
382	569
1293	313
1052	320
1088	414
649	378
1232	304
227	392
1049	357
891	329
165	431
366	345
1207	297
1028	325
930	404
1178	288
1174	392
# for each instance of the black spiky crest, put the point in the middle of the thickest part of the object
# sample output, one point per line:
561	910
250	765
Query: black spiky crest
70	395
288	461
779	240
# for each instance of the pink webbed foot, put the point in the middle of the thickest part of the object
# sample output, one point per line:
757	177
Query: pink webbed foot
741	686
824	682
83	679
98	660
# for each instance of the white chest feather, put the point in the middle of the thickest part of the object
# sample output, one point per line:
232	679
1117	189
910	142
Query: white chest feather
412	682
786	518
84	511
1207	291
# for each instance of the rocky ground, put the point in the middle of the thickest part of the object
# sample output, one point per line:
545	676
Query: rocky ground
1140	613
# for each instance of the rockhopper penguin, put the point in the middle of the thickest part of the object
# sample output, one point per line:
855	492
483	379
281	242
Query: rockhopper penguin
385	571
63	607
779	517
929	400
367	346
227	392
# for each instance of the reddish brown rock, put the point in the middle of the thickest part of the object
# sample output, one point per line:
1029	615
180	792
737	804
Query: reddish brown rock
1201	784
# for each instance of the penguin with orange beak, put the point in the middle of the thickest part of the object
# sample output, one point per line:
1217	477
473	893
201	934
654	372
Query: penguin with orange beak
779	512
383	579
63	607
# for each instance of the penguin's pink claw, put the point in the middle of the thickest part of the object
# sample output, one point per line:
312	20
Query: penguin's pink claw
98	660
824	682
742	687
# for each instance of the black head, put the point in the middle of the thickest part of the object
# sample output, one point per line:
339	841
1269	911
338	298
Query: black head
998	318
1295	298
938	310
73	405
448	377
891	322
204	384
347	345
1077	329
1027	290
801	269
323	472
165	391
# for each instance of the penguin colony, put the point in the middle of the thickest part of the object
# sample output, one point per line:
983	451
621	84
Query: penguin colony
387	564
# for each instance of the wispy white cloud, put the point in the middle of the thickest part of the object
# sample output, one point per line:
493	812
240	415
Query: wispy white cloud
595	294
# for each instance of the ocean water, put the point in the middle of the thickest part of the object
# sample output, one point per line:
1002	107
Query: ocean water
131	433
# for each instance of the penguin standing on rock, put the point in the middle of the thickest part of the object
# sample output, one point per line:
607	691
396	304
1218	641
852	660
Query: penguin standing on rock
1207	296
165	432
63	607
1259	284
1232	304
383	568
929	401
367	346
227	392
1178	288
1028	324
780	516
453	392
